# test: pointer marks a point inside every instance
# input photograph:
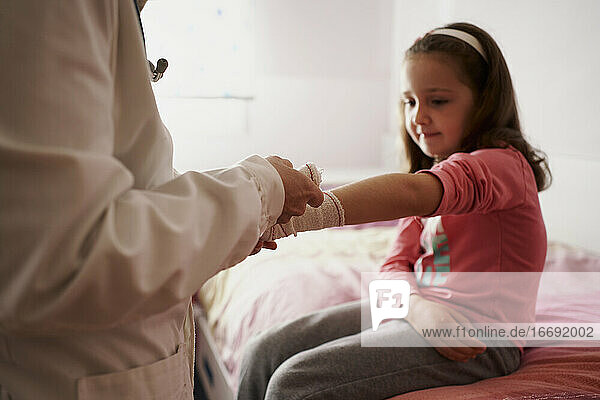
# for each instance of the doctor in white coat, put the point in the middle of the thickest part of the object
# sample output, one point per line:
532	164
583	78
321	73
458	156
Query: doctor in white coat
101	245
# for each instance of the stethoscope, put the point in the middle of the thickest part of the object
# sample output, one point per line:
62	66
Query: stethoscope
161	64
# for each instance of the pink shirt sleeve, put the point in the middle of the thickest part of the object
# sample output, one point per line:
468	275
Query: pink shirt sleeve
405	251
484	181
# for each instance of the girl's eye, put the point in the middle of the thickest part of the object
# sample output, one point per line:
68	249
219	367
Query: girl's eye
409	102
439	102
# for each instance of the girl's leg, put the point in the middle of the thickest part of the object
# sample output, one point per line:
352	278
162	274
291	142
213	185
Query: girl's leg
342	369
265	353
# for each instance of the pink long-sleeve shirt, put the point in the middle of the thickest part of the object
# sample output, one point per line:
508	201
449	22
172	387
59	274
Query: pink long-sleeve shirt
488	220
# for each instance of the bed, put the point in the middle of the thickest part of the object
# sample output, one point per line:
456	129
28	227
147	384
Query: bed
324	268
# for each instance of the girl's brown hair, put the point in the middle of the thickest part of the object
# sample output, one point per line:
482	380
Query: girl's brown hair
495	122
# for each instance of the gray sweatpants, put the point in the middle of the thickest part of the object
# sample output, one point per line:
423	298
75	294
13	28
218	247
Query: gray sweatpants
319	356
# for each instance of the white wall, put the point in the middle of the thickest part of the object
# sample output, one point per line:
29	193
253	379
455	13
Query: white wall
551	49
323	70
322	90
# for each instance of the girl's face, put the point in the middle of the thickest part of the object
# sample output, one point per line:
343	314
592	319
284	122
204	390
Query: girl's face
437	105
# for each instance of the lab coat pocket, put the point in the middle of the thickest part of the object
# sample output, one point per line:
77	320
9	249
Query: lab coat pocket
165	379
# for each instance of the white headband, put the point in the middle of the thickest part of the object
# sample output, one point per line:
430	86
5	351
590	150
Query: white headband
464	36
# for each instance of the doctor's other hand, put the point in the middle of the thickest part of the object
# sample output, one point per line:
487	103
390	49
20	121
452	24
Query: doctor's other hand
299	189
263	245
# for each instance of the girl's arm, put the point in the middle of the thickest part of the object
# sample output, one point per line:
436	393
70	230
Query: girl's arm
380	198
390	196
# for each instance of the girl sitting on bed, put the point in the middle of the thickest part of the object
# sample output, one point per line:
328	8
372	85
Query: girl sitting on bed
475	178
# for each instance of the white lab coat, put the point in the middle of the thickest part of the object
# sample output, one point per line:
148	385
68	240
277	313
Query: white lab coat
101	246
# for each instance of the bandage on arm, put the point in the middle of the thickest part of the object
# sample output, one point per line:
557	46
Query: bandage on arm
327	215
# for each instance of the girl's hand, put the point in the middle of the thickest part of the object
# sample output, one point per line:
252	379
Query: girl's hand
425	314
260	245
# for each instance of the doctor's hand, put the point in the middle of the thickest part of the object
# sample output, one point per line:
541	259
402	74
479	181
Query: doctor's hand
299	190
426	314
263	245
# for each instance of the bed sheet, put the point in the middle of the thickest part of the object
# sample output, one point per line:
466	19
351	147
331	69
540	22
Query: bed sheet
322	269
304	274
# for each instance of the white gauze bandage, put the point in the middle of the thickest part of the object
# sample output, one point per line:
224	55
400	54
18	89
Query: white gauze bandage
327	215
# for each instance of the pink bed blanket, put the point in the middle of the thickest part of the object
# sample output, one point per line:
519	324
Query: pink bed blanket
324	269
545	372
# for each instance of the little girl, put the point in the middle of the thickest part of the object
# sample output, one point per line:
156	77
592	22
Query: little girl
475	179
